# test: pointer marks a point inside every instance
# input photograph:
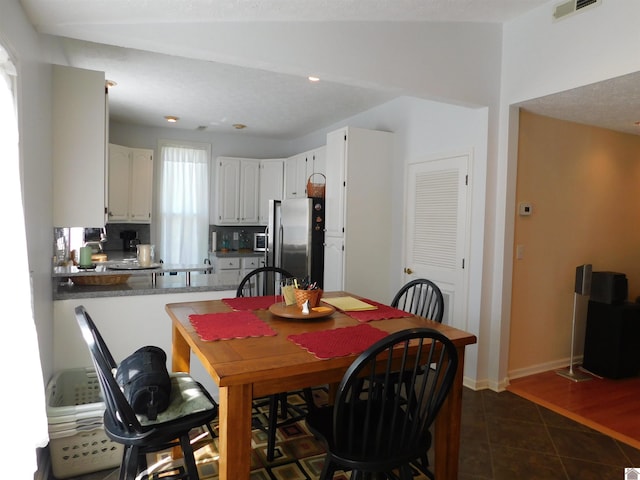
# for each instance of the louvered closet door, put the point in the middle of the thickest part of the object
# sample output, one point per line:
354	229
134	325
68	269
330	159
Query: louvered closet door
436	234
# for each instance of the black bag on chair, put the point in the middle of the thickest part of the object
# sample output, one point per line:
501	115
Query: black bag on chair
145	381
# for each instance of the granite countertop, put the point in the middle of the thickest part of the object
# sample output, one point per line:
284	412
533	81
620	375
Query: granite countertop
237	253
139	285
128	267
126	278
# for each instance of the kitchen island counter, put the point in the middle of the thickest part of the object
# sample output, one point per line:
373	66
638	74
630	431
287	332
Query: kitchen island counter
138	285
236	253
136	281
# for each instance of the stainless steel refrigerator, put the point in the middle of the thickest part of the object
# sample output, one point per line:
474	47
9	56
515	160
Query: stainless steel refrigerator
295	237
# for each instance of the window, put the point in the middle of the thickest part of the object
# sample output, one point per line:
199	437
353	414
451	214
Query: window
17	288
184	202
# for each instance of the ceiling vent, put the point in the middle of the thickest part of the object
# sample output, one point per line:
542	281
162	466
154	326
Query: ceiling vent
565	9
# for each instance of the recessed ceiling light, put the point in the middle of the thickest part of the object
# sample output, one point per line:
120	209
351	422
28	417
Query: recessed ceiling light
171	119
239	126
313	79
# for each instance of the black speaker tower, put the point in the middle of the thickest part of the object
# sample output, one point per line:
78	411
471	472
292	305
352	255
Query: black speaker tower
582	289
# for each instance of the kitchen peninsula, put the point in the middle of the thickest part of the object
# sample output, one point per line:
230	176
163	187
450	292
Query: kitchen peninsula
117	279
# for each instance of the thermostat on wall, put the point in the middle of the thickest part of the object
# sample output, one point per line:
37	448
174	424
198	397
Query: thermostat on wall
525	208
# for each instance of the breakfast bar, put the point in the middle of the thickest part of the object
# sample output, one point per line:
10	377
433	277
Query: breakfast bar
261	364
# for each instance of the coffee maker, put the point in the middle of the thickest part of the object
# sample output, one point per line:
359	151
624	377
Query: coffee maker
130	240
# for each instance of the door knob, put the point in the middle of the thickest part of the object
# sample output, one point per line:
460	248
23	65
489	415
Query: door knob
408	271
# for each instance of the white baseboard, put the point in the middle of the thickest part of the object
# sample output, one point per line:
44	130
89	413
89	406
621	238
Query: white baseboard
518	373
543	367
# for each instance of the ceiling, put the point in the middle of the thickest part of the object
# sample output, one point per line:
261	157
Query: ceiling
213	95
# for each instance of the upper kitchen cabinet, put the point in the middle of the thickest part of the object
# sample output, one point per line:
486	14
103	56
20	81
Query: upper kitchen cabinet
358	212
298	169
271	186
237	191
79	147
130	184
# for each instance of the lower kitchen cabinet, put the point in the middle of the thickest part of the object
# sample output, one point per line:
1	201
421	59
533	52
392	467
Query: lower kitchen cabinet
230	270
227	270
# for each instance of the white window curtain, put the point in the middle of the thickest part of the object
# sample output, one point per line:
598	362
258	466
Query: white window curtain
184	203
22	402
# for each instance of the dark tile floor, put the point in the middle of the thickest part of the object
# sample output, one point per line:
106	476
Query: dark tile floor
506	437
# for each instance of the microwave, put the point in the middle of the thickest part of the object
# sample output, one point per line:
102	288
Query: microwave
259	242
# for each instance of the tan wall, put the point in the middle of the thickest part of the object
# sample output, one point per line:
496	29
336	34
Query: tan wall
584	185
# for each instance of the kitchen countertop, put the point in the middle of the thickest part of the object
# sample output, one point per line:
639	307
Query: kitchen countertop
162	278
237	253
65	289
126	267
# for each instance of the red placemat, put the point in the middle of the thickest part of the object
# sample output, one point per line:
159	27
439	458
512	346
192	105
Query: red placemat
252	303
338	342
227	325
380	313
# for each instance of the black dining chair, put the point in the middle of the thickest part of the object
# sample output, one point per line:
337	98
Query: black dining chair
260	282
424	298
190	406
421	297
371	428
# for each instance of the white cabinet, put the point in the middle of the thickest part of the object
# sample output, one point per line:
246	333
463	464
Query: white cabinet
237	191
230	270
79	147
358	212
333	271
271	186
238	183
227	271
295	176
249	264
130	184
298	169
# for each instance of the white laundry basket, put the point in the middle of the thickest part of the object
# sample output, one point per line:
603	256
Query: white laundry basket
78	443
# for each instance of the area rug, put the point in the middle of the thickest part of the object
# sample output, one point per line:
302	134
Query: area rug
298	455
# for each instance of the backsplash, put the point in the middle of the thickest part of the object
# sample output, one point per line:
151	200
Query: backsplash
115	242
67	240
233	236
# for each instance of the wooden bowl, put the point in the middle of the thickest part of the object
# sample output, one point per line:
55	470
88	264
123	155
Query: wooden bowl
101	279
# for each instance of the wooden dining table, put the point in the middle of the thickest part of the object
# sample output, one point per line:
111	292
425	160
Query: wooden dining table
249	368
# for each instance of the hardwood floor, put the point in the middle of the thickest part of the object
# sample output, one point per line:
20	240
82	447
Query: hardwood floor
609	406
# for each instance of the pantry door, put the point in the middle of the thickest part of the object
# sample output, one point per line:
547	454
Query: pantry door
437	229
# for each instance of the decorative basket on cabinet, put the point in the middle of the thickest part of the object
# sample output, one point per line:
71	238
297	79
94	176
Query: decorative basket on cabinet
316	190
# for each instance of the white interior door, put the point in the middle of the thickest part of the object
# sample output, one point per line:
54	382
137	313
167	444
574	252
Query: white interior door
437	230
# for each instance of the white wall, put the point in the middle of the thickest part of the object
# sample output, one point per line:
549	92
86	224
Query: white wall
34	115
542	57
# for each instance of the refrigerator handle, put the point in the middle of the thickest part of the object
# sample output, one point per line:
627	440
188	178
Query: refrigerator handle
266	246
281	241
